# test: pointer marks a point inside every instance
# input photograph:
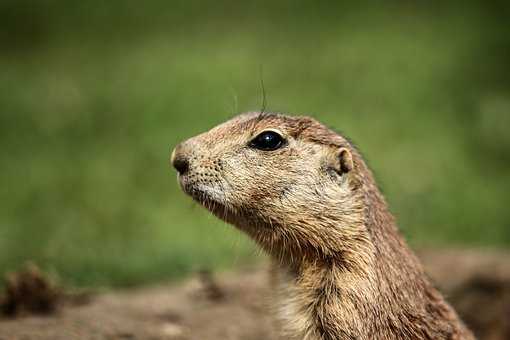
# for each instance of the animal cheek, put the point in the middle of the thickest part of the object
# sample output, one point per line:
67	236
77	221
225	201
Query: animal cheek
285	192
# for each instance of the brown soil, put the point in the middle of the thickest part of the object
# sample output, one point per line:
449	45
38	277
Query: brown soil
235	305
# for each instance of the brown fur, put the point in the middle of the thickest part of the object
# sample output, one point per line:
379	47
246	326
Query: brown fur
340	268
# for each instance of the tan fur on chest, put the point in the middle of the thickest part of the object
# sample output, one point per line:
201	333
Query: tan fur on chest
317	304
291	317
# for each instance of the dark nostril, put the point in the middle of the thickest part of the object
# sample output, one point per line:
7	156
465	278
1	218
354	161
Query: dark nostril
179	159
180	164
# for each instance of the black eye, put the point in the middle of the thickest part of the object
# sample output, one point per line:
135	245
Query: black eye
267	141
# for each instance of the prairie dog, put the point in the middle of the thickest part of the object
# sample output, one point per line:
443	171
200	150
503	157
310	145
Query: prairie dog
340	269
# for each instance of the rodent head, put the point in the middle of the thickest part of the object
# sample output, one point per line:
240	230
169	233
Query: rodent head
289	182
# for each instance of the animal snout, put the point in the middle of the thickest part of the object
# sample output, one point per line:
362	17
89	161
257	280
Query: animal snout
180	160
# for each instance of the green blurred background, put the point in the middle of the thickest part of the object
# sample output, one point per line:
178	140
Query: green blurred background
94	95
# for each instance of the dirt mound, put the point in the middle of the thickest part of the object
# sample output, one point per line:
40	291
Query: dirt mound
28	292
477	283
236	305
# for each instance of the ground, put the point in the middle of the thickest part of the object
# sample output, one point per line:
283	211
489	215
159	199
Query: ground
235	305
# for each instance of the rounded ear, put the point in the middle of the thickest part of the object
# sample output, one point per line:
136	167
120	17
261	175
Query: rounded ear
344	162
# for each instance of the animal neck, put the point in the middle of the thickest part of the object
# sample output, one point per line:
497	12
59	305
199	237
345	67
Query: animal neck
378	286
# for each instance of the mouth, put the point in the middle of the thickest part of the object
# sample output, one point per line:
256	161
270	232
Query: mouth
208	196
212	197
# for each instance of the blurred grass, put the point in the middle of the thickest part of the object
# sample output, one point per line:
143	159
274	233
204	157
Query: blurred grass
93	96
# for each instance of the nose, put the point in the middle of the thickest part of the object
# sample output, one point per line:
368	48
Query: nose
179	160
